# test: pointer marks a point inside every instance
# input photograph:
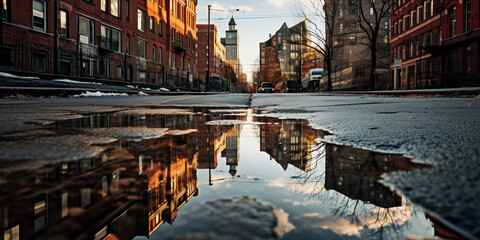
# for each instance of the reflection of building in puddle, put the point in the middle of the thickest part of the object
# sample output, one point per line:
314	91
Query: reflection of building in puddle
168	165
288	141
122	192
214	139
232	149
354	172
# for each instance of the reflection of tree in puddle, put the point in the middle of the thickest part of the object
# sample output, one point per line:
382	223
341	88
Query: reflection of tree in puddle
355	173
144	169
352	173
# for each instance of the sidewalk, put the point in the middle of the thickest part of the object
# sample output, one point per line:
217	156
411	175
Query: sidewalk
437	92
27	86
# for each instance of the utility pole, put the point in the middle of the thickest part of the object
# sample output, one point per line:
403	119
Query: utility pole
55	36
1	20
208	42
207	75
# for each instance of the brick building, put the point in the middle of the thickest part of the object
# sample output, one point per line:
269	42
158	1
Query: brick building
132	40
218	55
269	65
415	28
437	43
460	43
282	54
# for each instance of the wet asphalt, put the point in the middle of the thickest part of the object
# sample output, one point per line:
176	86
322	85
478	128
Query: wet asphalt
443	132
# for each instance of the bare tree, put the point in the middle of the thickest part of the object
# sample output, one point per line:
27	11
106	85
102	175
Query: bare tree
321	17
372	21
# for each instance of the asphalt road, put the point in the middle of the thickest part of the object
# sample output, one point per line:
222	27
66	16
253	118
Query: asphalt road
443	132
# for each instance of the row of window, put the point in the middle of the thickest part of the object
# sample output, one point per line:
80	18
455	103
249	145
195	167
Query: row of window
413	18
110	37
424	11
413	48
467	18
152	22
40	13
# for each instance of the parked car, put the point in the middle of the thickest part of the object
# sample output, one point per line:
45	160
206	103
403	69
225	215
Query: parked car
291	86
266	87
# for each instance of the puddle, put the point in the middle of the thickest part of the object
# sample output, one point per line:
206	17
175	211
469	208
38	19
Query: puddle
198	174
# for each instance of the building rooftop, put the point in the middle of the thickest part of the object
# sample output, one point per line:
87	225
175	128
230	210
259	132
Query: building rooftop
232	22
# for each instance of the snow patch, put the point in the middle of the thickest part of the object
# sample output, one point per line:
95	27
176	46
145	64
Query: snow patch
164	89
73	81
3	74
99	94
142	94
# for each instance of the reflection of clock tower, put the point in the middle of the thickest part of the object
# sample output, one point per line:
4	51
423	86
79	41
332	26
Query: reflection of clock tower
231	45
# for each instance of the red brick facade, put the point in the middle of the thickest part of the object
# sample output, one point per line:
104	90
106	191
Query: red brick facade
434	44
217	55
132	40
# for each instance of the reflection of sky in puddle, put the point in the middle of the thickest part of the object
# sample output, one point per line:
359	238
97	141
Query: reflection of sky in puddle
313	211
293	183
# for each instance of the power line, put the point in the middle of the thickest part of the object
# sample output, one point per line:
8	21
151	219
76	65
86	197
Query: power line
255	17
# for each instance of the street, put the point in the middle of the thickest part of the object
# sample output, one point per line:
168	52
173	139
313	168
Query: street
424	151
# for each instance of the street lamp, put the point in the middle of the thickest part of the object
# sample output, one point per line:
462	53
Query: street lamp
208	41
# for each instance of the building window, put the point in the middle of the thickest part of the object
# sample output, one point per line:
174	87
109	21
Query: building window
39	15
40	211
127	43
141	20
5	10
86	30
414	18
154	53
85	197
152	24
439	35
420	13
160	28
12	233
127	12
452	21
63	23
103	5
110	38
64	205
160	3
467	22
428	5
65	67
173	35
40	61
118	72
160	55
408	20
115	8
141	48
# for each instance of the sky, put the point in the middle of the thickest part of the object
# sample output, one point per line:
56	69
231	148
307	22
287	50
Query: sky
255	21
